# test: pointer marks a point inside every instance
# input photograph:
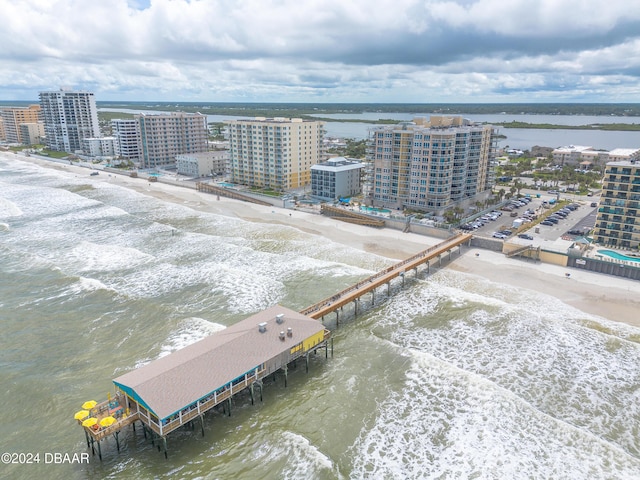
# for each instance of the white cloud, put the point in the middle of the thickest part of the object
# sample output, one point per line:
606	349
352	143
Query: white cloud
330	50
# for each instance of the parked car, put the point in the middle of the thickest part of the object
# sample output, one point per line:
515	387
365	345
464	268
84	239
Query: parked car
552	220
499	235
506	232
526	236
594	204
547	223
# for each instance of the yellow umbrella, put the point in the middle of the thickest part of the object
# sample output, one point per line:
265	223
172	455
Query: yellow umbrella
81	415
106	421
89	404
90	422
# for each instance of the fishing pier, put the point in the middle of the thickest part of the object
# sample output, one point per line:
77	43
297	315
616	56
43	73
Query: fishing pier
384	277
178	389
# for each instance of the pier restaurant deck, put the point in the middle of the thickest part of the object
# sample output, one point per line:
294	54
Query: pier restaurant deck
180	387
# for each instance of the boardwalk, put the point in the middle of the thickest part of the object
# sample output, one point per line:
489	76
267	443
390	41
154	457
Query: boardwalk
354	292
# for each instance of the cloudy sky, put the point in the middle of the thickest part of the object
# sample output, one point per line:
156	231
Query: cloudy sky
323	50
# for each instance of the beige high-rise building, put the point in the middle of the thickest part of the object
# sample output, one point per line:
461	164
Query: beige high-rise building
14	116
430	164
3	135
162	137
275	153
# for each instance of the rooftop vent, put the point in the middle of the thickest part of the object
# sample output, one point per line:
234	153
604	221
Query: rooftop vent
289	332
282	336
262	327
280	318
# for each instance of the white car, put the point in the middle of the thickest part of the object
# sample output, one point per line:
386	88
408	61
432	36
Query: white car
499	235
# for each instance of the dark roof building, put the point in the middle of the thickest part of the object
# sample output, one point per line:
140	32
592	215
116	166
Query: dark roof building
250	349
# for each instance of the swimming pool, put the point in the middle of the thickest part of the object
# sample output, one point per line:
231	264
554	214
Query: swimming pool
226	184
373	209
618	256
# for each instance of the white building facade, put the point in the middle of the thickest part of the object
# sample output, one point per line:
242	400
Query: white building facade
125	131
99	147
69	117
336	178
203	164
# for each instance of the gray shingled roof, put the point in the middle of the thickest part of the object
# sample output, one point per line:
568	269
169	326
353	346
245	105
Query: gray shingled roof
175	381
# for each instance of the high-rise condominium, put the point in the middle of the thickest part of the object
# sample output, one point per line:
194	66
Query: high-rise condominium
274	153
162	137
431	164
13	117
69	117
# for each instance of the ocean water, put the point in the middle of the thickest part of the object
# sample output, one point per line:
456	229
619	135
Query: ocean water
451	377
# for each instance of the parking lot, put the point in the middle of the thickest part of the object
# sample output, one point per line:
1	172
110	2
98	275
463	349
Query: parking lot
578	220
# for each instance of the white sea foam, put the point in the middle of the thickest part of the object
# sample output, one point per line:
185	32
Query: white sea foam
89	256
449	423
553	377
9	209
190	331
294	457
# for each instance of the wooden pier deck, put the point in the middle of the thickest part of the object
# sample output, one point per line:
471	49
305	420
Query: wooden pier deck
354	292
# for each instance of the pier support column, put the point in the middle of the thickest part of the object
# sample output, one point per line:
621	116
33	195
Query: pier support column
428	268
331	347
99	451
373	297
355	306
440	260
86	436
201	426
286	369
306	361
337	320
449	255
115	435
402	276
164	444
251	393
92	449
229	400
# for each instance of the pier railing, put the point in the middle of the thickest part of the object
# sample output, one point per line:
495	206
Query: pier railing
370	283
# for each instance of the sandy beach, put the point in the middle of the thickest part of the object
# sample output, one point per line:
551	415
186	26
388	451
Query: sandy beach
610	297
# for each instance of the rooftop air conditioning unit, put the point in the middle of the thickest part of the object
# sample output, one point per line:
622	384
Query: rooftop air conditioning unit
280	318
262	327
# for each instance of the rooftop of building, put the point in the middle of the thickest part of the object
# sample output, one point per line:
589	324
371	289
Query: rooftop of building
623	152
624	163
338	163
572	148
273	120
171	383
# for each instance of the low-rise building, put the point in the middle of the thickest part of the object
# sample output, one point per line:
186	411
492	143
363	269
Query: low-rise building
203	164
337	177
32	133
99	147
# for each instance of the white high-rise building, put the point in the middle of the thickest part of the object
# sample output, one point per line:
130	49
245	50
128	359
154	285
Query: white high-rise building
69	117
275	153
127	138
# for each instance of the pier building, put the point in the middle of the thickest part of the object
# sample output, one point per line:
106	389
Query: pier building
179	388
